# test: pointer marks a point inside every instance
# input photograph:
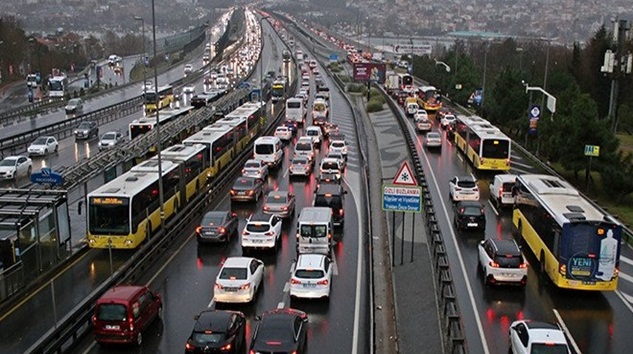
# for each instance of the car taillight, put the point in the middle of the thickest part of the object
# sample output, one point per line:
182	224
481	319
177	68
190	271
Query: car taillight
226	348
500	191
233	192
218	286
131	323
243	170
266	207
523	265
250	192
295	281
323	282
190	346
269	233
457	189
245	286
508	162
284	208
94	320
244	232
475	189
340	212
494	264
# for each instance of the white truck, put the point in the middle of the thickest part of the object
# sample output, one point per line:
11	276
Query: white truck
392	83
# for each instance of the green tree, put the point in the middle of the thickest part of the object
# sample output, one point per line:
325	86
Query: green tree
616	176
507	100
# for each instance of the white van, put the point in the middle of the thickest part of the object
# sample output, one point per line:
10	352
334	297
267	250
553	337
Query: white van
269	149
314	230
295	110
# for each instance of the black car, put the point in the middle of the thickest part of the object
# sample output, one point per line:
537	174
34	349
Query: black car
217	331
469	215
292	125
281	331
217	226
86	130
247	189
331	196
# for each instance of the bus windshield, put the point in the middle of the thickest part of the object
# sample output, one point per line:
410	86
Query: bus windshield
150	97
109	218
55	85
495	149
136	130
278	91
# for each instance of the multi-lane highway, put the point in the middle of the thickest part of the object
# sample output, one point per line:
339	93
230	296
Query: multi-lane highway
185	278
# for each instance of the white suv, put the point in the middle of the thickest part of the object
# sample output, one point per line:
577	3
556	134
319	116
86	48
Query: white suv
312	277
501	261
463	188
316	134
537	337
261	231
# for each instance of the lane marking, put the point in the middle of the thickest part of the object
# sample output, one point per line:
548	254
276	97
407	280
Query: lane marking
42	287
359	269
626	297
493	208
334	264
569	336
287	287
460	258
626	277
210	305
626	260
460	157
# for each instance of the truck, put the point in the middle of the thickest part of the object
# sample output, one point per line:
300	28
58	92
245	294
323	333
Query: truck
392	83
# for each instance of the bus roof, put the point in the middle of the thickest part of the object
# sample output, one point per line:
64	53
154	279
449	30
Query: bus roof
483	128
135	180
207	136
163	116
180	152
561	199
245	110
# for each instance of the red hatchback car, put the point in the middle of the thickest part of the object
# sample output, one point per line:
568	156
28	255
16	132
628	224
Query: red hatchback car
124	312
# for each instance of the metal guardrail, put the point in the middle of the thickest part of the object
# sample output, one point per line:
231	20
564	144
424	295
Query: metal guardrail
450	319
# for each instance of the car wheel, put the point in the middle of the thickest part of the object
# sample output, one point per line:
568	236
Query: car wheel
29	170
45	151
56	148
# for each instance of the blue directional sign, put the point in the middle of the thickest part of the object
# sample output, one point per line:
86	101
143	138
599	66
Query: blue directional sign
333	58
47	176
399	198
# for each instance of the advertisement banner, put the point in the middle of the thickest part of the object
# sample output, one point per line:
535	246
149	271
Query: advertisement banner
415	49
370	71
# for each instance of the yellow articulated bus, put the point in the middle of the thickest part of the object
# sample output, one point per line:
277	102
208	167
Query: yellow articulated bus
195	160
483	143
145	124
576	244
159	98
125	211
220	142
247	117
431	98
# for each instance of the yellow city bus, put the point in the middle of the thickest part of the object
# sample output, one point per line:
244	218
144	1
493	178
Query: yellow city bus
220	142
576	244
158	98
246	119
195	160
482	143
126	211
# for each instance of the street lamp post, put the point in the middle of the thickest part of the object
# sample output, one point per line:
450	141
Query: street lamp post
520	51
261	62
483	89
139	18
158	147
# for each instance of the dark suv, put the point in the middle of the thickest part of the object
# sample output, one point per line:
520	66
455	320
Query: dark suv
331	196
86	130
469	215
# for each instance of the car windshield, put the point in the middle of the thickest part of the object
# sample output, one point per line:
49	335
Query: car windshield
243	183
111	312
508	261
202	338
309	273
109	136
292	104
299	161
303	146
84	125
73	102
257	227
338	144
276	199
212	220
233	273
467	184
313	230
252	164
40	141
282	129
432	136
8	162
264	149
333	202
312	132
329	165
472	211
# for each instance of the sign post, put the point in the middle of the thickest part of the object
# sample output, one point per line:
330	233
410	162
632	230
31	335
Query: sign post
591	151
403	195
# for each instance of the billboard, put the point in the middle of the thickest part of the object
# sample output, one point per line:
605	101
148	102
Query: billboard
415	49
369	71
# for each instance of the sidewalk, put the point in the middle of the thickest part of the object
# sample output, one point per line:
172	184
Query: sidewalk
416	312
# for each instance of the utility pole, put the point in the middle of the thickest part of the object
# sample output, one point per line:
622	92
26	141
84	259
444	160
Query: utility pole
617	64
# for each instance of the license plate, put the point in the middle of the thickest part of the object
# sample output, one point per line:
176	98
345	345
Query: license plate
309	285
472	224
209	233
232	290
112	327
241	193
258	241
509	275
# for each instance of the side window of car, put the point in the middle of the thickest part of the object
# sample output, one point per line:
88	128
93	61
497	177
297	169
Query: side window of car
489	249
21	160
253	266
523	334
326	264
136	309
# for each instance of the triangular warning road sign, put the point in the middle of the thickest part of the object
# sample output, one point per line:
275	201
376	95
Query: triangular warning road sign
405	176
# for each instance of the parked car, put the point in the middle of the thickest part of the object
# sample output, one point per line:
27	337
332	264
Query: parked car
217	226
463	188
217	331
188	69
13	167
312	277
74	106
469	215
110	140
124	312
501	261
42	146
239	280
86	130
280	203
247	189
528	336
280	331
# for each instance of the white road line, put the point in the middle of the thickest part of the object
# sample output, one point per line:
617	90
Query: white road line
293	266
471	296
169	260
625	277
626	260
569	336
622	297
359	272
210	305
287	287
627	298
460	157
493	208
334	265
281	305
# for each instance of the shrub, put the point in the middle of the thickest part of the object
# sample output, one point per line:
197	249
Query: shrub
343	78
374	106
374	93
359	88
